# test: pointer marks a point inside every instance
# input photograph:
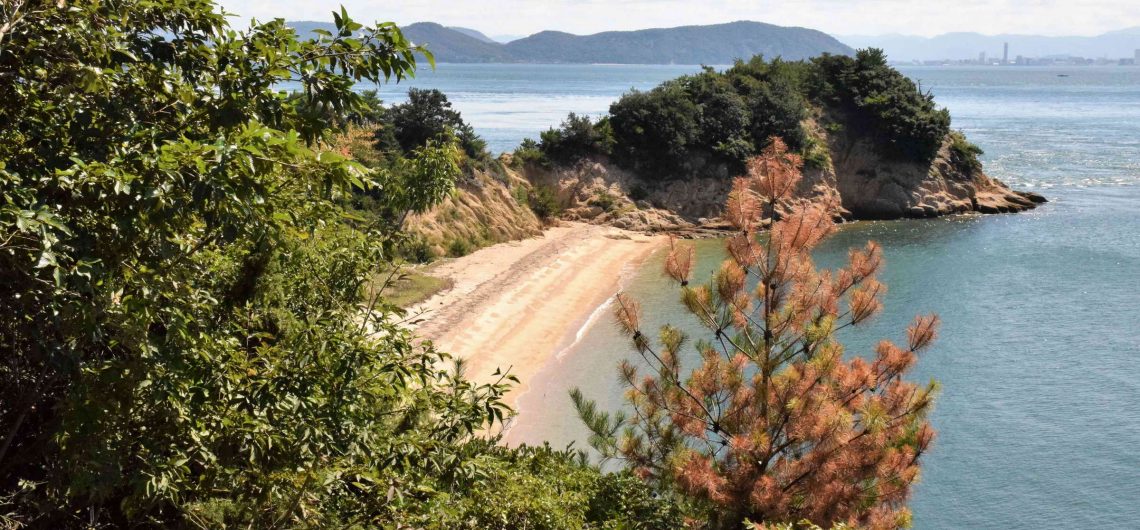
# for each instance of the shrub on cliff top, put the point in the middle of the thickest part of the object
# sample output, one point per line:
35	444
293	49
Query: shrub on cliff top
773	424
881	103
710	123
428	116
964	154
656	133
576	138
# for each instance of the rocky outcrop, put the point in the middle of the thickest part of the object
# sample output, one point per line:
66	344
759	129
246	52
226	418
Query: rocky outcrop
870	187
490	206
863	184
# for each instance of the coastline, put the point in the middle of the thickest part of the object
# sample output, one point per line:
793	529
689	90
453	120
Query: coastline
521	304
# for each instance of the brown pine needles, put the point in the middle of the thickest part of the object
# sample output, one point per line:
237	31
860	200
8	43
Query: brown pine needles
773	424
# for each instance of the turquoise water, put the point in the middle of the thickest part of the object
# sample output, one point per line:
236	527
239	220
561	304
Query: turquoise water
1039	418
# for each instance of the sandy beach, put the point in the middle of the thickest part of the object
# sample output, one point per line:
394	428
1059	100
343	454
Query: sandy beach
515	305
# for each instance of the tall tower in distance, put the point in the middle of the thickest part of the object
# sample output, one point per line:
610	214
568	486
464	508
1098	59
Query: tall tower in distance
1005	54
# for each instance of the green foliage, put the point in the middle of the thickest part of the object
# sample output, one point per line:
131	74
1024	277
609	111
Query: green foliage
367	111
521	195
534	488
576	138
802	525
604	200
417	183
964	154
711	123
542	488
370	111
183	338
816	155
655	131
623	501
427	116
544	202
416	249
528	152
878	101
459	247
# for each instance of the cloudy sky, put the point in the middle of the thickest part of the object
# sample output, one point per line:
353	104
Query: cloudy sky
838	17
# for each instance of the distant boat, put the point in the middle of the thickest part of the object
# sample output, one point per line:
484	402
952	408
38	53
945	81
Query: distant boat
1062	75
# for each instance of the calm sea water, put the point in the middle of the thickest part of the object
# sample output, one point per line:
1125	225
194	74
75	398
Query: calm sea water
1039	418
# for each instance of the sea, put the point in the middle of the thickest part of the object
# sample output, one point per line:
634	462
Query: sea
1038	418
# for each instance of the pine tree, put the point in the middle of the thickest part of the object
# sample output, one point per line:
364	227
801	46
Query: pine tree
773	424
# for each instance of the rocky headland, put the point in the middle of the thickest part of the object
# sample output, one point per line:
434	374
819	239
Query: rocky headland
863	185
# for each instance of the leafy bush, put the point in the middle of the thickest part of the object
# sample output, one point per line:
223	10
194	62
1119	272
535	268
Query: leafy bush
576	138
964	155
416	249
882	103
459	247
544	203
428	116
622	500
543	488
521	194
711	123
605	200
184	342
529	152
656	132
816	155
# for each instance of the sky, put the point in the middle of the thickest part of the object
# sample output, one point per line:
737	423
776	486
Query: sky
837	17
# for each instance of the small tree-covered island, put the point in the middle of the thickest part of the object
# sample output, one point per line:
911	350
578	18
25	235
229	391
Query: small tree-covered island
205	239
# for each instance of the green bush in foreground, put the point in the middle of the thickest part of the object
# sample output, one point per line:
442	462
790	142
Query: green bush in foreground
191	333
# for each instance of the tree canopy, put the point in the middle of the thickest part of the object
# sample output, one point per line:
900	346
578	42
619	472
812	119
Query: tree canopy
184	340
711	123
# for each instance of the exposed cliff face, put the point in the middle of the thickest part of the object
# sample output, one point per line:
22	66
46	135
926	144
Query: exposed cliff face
862	183
873	188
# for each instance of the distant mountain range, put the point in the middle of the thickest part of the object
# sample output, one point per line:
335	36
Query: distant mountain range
714	44
1114	45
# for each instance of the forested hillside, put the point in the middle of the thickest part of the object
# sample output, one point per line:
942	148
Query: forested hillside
714	44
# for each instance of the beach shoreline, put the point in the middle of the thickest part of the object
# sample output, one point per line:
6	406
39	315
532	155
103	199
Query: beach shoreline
516	306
